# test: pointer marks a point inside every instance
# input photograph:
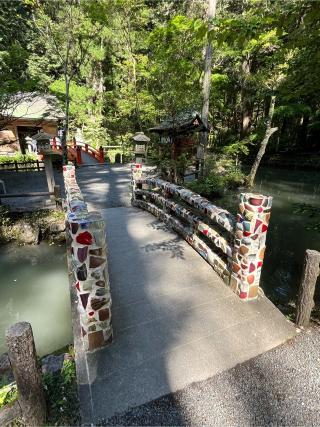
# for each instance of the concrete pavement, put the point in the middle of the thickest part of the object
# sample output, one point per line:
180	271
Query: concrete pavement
175	321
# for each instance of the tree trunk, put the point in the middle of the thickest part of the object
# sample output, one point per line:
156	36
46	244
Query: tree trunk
306	292
245	98
207	80
303	132
264	143
66	125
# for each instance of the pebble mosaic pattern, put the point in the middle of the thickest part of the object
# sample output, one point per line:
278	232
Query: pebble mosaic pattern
244	255
219	215
88	261
250	244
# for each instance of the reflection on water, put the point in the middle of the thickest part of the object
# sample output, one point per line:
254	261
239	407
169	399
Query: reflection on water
34	288
288	237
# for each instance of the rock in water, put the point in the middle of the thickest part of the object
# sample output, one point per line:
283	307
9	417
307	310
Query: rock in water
26	233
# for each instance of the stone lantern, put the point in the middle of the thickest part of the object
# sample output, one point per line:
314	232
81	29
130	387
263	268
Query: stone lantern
140	148
44	148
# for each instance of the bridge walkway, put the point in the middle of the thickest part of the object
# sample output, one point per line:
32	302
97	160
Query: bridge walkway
175	321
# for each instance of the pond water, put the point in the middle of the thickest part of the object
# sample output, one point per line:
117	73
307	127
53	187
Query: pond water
288	235
34	288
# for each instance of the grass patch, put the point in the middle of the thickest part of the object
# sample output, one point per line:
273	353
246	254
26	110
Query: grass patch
61	396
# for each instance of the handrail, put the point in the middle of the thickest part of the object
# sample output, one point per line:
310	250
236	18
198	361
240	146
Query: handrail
224	218
233	245
75	145
88	265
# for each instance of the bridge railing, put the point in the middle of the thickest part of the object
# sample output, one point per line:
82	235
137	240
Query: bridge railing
77	147
87	262
233	245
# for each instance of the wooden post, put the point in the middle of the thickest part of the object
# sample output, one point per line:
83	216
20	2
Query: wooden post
308	283
79	156
101	155
38	166
16	165
57	192
23	358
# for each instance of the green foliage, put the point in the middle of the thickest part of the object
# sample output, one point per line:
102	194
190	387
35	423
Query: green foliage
133	62
5	219
61	396
8	394
19	157
311	212
222	175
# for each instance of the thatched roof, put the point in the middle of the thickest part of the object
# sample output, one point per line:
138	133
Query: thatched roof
33	106
185	122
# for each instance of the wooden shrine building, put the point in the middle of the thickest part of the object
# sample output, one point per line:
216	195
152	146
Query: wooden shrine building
181	132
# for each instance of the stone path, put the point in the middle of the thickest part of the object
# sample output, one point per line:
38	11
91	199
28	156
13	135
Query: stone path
175	321
279	388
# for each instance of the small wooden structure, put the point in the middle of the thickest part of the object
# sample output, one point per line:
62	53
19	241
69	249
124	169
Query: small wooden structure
180	132
30	113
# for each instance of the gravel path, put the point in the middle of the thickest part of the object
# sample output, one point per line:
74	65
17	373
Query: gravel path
280	387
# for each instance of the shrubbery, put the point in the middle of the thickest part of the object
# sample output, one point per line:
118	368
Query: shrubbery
19	157
220	175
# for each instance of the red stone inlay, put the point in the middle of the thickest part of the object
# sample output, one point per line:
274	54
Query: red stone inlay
252	267
74	227
243	295
257	225
84	299
84	238
104	314
82	253
78	286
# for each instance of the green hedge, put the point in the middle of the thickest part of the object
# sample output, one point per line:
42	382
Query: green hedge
18	157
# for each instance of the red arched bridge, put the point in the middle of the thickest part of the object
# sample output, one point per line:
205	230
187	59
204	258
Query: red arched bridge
76	150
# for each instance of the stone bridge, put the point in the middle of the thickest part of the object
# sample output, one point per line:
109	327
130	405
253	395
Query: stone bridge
176	319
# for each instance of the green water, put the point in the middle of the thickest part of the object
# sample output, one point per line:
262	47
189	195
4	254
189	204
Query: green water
34	288
288	236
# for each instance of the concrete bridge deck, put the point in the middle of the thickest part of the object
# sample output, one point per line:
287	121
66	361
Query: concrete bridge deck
175	321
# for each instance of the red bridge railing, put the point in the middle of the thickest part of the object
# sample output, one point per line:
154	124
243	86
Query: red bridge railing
75	149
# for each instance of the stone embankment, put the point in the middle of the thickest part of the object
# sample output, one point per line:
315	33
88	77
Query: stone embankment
31	228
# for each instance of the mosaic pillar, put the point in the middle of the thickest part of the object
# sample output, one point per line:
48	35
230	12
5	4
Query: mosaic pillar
250	244
89	274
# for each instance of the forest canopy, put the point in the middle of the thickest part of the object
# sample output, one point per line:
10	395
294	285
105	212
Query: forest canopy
127	64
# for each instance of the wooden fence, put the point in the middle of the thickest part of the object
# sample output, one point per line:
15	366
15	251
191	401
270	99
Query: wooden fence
22	166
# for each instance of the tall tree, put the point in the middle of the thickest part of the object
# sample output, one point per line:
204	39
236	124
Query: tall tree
67	35
207	80
269	131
